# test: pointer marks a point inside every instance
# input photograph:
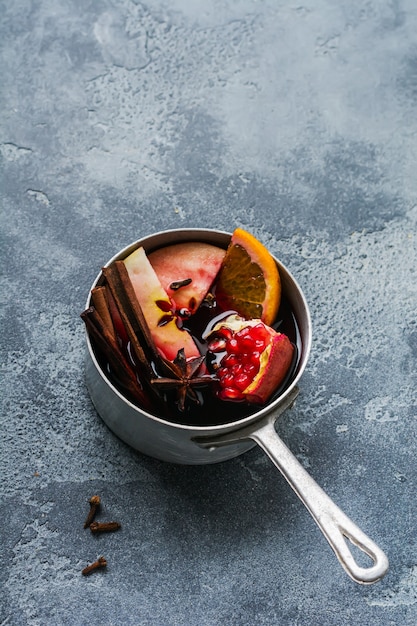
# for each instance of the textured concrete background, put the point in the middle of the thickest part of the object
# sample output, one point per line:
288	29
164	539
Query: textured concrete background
298	122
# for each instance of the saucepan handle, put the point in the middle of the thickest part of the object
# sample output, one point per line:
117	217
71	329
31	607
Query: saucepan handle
335	525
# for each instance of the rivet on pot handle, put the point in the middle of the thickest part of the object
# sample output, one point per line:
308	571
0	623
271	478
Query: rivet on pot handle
334	524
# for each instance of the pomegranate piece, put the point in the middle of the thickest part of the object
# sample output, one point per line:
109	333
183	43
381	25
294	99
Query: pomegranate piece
255	361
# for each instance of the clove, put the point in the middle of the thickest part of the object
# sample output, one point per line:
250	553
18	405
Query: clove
104	527
180	283
94	506
99	564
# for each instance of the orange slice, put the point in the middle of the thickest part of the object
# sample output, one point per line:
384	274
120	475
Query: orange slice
249	281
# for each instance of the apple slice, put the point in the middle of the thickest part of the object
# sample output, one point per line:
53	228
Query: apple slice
187	271
157	308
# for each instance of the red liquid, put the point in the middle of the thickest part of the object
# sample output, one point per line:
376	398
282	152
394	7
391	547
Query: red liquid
210	410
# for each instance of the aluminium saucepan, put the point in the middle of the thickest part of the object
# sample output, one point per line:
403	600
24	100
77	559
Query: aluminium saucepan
190	444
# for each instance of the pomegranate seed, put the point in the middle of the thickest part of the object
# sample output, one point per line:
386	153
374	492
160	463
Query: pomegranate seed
217	345
222	372
236	369
227	379
243	332
247	342
250	370
255	357
242	381
229	360
259	344
225	332
242	348
232	346
260	332
230	394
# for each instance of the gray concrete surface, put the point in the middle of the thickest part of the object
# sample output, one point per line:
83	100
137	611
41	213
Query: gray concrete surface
298	122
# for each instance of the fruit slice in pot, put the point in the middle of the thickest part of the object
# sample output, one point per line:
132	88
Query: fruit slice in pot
187	271
255	359
249	281
158	308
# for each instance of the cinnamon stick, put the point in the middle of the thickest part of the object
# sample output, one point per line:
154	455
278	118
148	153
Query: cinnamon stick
100	303
119	327
109	347
128	330
132	316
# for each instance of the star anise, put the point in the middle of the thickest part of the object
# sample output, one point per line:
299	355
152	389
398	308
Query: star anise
184	378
